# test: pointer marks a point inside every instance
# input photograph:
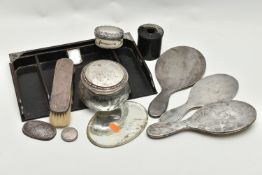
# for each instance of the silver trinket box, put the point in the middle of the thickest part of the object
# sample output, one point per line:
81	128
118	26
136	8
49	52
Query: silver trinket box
109	37
104	85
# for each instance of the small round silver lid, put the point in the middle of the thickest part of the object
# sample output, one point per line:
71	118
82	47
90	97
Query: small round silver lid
104	77
109	33
69	134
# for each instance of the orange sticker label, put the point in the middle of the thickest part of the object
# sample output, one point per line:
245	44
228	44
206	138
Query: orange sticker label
114	127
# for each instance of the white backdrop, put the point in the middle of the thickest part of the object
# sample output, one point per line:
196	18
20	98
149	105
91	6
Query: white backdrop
228	33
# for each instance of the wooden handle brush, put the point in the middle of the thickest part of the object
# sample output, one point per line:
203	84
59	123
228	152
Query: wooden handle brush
61	97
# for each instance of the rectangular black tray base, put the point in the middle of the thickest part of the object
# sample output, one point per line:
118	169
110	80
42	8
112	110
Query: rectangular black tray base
33	72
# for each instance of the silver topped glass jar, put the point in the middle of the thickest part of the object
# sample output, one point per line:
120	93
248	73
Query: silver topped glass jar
104	85
109	37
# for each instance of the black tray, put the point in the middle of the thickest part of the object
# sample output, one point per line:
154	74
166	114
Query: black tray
33	72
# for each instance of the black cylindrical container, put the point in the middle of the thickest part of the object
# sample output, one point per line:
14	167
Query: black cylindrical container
149	41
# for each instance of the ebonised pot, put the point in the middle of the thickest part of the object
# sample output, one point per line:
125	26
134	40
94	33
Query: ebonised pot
104	85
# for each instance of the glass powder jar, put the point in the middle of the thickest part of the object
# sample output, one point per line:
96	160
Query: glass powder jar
104	85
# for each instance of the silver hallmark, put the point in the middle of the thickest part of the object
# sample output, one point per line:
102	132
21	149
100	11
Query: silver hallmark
69	134
176	69
221	118
211	89
39	130
109	37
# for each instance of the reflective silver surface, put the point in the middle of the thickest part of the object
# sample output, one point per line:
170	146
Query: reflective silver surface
69	134
214	88
109	37
39	130
104	85
220	118
118	127
176	69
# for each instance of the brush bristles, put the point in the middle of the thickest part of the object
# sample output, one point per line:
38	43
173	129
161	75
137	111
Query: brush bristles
60	120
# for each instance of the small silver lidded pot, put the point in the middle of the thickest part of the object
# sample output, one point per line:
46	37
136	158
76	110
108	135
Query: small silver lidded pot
109	37
104	85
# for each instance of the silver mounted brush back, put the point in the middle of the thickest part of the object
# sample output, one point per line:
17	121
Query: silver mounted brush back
60	102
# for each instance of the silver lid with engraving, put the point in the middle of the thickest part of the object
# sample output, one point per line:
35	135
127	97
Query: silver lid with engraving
109	32
104	77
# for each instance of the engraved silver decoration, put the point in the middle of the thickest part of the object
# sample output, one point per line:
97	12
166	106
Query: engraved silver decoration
176	69
104	85
109	37
214	88
131	119
221	118
39	130
69	134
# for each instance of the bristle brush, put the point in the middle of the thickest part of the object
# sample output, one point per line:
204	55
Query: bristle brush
61	97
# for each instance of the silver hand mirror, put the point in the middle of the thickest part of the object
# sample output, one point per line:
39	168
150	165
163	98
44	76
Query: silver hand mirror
176	69
214	88
219	118
115	128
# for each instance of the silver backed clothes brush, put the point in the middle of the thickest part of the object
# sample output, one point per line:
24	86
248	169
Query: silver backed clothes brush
61	96
221	118
211	89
